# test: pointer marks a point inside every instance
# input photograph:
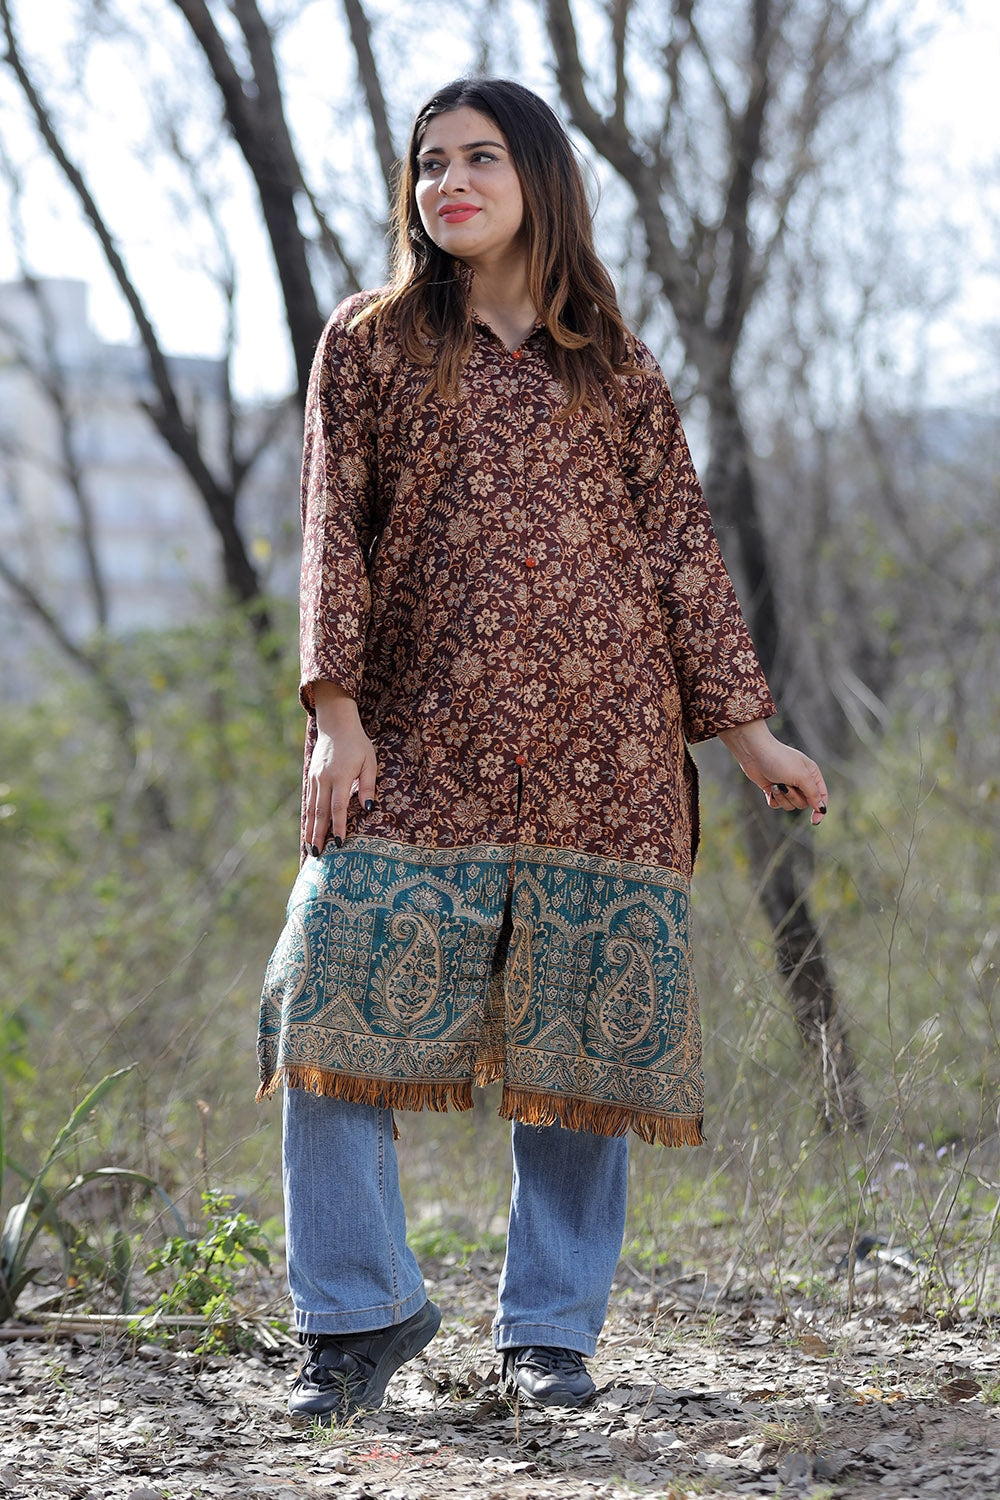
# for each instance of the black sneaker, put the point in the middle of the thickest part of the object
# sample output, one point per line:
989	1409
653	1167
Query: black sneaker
548	1377
346	1373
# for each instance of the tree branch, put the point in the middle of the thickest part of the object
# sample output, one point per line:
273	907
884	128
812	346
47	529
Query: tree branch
331	240
619	36
52	384
745	145
674	273
241	575
89	662
371	84
261	132
824	49
722	98
225	278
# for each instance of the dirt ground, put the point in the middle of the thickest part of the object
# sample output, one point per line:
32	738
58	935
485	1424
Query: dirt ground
700	1392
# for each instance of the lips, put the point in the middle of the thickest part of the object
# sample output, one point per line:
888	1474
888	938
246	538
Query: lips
456	213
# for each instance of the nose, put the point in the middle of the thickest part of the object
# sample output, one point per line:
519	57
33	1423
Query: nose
454	178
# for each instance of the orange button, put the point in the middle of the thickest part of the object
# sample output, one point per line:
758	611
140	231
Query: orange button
521	760
516	353
531	562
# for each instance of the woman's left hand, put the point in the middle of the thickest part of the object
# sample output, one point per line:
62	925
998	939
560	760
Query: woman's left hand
789	780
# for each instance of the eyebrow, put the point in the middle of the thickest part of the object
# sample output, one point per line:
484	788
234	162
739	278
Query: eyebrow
469	146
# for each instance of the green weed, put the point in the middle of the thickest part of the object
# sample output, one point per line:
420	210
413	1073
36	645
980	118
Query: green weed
209	1276
43	1205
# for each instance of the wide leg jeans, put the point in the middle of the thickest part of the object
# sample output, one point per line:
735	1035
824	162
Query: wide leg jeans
349	1266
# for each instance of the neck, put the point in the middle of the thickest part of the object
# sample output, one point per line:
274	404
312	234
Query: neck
500	296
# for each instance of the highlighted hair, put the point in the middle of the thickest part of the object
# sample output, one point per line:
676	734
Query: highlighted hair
589	345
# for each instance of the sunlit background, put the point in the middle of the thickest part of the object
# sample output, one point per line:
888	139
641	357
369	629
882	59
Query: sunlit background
149	728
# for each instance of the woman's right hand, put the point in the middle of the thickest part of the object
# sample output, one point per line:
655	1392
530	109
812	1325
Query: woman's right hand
343	756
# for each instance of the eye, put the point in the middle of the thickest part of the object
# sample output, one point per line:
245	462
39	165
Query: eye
428	166
483	156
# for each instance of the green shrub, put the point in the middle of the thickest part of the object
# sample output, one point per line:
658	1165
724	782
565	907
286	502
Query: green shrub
209	1276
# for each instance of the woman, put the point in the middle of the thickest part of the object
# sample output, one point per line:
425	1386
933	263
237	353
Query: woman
514	618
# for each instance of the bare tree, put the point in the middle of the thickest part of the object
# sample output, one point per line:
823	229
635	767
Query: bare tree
254	110
240	64
713	118
714	154
219	493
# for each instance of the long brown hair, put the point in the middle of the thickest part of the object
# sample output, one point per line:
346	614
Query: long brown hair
589	345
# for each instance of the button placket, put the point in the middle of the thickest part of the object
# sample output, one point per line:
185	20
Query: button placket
530	561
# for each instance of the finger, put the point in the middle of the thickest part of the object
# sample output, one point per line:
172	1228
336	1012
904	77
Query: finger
813	796
784	798
309	821
317	822
367	778
808	791
816	796
339	803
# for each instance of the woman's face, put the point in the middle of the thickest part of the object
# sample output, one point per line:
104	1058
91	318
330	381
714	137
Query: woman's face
468	191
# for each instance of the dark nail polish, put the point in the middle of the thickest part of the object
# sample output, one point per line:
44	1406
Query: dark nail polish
338	842
781	786
314	851
369	805
822	807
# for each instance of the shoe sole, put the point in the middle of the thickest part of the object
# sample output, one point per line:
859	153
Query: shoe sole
417	1337
568	1402
569	1399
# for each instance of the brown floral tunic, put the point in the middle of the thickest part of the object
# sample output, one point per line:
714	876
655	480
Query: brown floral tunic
534	617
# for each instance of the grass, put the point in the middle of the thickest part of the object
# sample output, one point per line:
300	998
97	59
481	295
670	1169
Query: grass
433	1240
130	944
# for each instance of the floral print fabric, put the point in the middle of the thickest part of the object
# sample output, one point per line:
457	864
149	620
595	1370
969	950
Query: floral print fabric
533	614
514	597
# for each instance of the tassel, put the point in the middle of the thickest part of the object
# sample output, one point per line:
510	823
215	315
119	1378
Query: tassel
600	1119
515	1104
418	1094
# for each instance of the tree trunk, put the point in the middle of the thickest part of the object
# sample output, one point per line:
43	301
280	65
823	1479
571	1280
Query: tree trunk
782	858
710	268
780	850
260	129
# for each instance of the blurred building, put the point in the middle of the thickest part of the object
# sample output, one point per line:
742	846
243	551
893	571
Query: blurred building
97	515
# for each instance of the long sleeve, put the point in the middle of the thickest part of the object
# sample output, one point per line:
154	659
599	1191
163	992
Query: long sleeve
719	675
338	491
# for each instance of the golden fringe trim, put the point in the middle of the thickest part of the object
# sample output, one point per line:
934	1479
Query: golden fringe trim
425	1094
600	1119
515	1104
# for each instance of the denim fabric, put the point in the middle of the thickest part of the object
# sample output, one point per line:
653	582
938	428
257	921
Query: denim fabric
349	1266
350	1269
564	1237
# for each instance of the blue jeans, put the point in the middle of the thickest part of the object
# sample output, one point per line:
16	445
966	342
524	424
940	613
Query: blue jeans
351	1270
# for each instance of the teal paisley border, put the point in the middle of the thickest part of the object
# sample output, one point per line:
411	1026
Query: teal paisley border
380	985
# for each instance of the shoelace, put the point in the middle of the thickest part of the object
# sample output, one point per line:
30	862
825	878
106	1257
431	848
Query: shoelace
550	1359
329	1363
